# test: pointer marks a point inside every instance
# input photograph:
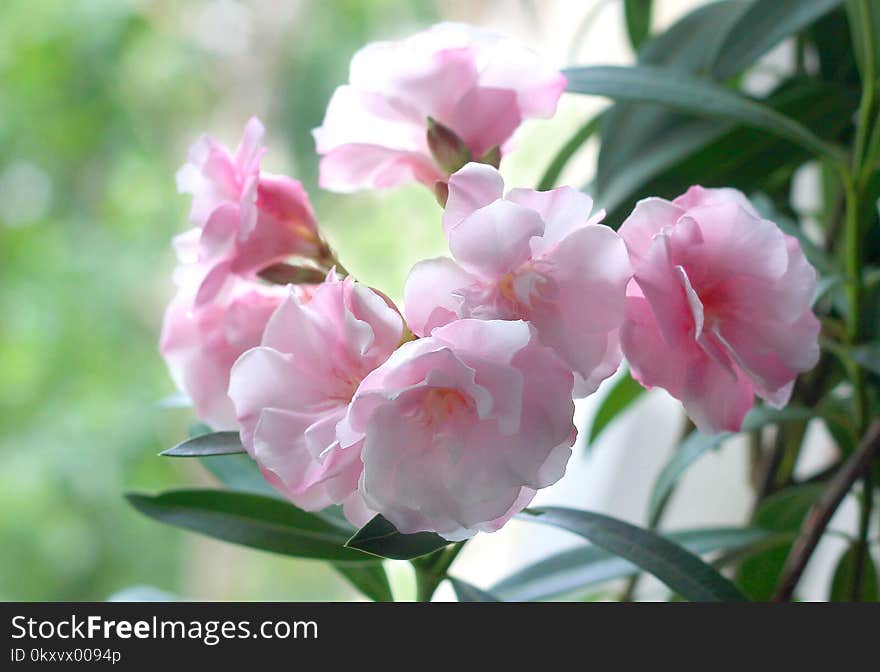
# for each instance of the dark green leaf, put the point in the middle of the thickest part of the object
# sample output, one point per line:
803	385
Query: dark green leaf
842	585
761	27
782	512
678	568
620	397
697	444
465	592
702	98
629	129
864	19
695	151
867	356
379	537
238	472
215	443
579	568
371	580
569	149
638	20
265	523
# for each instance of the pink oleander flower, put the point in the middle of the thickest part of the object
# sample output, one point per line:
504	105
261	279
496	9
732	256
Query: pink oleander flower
200	343
459	429
244	219
533	255
719	307
292	390
477	84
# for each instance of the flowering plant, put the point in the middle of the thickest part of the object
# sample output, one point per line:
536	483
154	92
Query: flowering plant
368	430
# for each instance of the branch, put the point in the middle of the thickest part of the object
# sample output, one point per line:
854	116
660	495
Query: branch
823	511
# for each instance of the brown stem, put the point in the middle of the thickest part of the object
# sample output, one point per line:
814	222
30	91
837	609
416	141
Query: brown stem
823	511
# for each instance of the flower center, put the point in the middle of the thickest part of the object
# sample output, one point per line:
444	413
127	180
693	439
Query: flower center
440	404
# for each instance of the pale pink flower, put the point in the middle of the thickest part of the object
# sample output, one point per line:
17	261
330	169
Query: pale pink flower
200	343
460	429
290	392
244	219
479	84
719	307
533	255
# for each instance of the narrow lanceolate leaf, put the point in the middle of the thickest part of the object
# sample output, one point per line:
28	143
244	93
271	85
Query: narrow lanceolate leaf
266	523
678	568
868	357
637	14
699	97
379	537
569	149
238	472
371	580
465	592
764	25
697	444
577	569
215	443
843	588
619	398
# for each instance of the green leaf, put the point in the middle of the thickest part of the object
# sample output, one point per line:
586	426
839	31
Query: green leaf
569	149
782	512
761	27
266	523
845	575
697	444
620	397
465	592
689	150
678	568
579	568
867	356
371	580
637	14
215	443
646	84
864	18
686	46
238	472
379	537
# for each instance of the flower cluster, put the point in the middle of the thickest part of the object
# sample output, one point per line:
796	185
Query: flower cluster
449	415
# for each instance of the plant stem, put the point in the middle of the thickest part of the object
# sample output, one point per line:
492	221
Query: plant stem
868	83
823	511
861	550
431	570
854	295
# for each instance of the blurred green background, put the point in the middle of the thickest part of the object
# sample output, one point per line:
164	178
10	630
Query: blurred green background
98	103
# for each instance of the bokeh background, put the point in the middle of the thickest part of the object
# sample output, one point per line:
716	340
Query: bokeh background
99	100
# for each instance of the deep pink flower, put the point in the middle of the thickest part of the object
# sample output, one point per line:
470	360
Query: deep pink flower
244	220
478	84
290	392
200	343
533	255
460	429
719	307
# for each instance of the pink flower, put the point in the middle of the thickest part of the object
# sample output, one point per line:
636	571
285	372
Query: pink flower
245	220
719	308
290	392
460	429
201	343
531	255
478	84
